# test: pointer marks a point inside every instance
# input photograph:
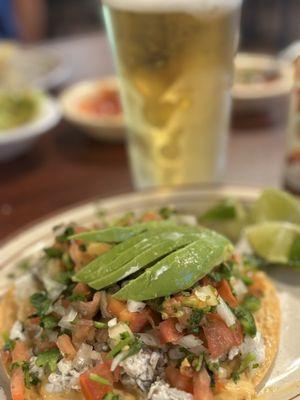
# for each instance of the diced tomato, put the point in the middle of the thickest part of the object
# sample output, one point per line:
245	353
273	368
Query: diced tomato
237	334
20	352
94	390
150	216
65	345
202	389
220	339
82	288
225	292
179	381
137	320
168	332
17	384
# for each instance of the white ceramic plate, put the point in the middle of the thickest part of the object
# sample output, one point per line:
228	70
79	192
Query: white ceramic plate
16	141
283	382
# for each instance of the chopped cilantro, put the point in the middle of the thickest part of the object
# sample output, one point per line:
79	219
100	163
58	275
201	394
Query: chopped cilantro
223	272
126	339
111	396
76	297
67	260
69	231
30	379
247	280
194	321
251	303
49	322
99	379
246	362
53	252
166	212
41	303
65	277
48	359
197	363
246	319
135	347
100	325
9	345
235	376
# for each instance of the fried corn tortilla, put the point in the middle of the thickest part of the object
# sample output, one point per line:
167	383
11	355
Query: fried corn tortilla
267	320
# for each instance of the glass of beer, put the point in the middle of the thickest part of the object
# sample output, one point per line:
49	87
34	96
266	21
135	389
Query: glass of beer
174	59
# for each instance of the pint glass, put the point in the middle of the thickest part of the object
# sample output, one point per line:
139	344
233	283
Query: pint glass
174	59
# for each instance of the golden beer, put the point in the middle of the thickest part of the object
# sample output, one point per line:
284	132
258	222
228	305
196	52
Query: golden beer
175	63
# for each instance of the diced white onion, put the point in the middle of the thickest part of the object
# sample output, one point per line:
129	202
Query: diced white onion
116	331
207	294
64	366
112	322
225	313
16	331
116	361
53	288
66	321
233	352
254	346
239	288
83	357
59	309
149	339
192	343
135	306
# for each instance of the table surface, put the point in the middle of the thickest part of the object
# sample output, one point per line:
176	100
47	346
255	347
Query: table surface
66	167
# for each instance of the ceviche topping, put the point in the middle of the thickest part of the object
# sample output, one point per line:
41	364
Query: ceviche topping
150	307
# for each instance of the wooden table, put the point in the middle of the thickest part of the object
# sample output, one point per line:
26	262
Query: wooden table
66	167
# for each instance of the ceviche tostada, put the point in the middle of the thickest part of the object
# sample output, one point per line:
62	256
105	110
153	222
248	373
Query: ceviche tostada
153	307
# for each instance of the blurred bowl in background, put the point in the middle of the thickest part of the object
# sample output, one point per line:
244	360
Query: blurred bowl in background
94	106
262	89
261	77
17	140
31	66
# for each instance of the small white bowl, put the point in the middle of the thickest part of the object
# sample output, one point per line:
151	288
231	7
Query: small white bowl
107	128
262	90
16	141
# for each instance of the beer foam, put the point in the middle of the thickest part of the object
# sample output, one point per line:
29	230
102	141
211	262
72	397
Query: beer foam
187	6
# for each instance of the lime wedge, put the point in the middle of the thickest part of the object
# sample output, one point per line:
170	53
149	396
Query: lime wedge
276	242
276	205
